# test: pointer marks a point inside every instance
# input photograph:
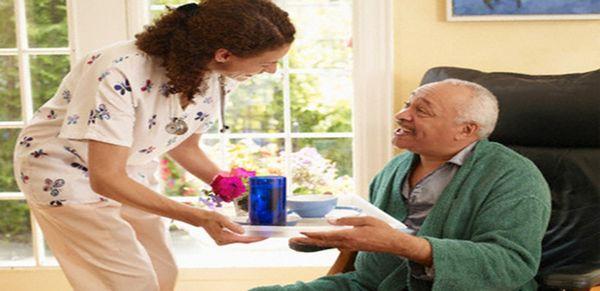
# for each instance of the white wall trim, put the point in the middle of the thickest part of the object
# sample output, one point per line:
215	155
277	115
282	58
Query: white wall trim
71	24
137	16
373	89
23	60
88	33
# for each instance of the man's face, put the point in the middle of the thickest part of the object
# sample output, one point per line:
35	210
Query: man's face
427	124
241	69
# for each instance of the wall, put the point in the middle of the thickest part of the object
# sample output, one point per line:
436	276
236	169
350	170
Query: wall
424	39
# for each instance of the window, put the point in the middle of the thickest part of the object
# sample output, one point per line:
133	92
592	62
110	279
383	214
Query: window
34	55
297	123
328	99
306	105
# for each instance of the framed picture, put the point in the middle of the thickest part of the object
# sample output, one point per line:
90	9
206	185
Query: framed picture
491	10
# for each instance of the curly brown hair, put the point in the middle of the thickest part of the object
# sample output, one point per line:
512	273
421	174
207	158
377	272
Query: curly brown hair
185	39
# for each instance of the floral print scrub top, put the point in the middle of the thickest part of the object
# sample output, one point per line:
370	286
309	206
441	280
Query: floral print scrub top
116	95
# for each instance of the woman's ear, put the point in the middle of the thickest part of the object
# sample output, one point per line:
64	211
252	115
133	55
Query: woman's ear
222	55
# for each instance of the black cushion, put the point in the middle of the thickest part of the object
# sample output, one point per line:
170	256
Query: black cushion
554	120
547	110
573	234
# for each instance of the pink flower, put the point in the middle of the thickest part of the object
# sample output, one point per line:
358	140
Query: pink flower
242	173
227	187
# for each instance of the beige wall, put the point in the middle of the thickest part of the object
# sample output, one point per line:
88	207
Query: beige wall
424	39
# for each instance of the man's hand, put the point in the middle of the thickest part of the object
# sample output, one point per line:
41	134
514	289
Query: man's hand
370	234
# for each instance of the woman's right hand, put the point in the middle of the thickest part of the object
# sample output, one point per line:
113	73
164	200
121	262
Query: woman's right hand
224	231
108	177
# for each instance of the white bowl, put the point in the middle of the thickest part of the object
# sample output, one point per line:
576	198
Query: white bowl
311	206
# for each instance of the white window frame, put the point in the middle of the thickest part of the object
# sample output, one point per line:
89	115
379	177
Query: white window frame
373	47
23	53
287	135
373	93
372	75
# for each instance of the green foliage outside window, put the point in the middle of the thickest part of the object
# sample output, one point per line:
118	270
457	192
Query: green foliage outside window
7	22
15	224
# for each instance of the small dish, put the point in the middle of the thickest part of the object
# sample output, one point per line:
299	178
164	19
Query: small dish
312	206
292	219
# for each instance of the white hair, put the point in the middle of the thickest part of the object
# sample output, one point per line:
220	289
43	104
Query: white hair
482	108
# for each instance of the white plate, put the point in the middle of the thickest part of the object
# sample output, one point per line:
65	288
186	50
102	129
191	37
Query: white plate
343	211
292	219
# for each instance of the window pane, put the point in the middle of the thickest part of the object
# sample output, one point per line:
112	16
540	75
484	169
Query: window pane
321	102
9	89
212	148
156	11
326	53
215	127
321	165
47	23
15	234
8	138
258	154
46	74
256	105
321	19
169	2
7	22
50	259
177	181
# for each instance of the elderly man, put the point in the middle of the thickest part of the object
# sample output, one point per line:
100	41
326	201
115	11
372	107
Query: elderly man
479	209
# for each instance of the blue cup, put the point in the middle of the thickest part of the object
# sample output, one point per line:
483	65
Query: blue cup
267	200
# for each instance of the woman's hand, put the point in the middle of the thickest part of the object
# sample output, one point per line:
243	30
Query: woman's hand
109	178
223	231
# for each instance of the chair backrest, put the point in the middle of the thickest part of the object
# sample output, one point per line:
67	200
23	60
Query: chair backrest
554	120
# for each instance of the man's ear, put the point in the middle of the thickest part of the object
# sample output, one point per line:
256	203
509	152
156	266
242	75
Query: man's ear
222	55
469	129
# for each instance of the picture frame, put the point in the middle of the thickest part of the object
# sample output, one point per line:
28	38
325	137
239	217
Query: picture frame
516	10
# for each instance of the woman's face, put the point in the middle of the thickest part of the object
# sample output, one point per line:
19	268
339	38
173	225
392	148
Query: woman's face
241	69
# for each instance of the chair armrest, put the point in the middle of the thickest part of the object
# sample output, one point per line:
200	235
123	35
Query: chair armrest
344	263
573	277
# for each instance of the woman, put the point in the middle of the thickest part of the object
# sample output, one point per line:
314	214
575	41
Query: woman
86	161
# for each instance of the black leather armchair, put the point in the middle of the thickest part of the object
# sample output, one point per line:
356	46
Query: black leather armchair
554	120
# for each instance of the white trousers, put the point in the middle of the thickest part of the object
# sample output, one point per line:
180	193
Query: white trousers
108	246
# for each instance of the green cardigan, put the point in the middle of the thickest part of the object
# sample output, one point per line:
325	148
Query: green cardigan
485	230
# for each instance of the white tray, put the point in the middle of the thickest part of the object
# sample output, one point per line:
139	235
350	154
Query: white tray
321	224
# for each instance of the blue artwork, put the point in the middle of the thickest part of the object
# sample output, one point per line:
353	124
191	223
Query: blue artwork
524	7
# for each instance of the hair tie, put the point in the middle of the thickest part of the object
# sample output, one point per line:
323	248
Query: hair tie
188	9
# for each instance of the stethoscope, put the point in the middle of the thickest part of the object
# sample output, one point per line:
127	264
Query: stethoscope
178	126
